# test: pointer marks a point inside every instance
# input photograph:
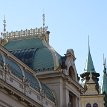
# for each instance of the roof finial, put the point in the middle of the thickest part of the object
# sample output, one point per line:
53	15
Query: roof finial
43	21
4	25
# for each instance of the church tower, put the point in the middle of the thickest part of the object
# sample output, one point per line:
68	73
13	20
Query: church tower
90	70
92	96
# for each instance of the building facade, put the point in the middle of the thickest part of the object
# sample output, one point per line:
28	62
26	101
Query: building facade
33	74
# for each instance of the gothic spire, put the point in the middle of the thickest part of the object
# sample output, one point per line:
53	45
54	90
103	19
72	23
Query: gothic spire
89	63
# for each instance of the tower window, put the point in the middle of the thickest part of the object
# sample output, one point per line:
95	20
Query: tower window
95	105
88	105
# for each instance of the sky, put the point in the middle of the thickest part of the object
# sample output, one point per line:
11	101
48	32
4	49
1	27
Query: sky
69	21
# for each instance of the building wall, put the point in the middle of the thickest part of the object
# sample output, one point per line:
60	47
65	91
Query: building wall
91	95
61	88
99	99
56	85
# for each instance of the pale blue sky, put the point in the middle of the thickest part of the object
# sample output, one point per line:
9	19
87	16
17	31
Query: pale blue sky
69	21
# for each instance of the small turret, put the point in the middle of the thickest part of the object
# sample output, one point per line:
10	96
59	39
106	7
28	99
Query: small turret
90	68
90	74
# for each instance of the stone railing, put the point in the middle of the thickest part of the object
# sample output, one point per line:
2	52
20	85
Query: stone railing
37	32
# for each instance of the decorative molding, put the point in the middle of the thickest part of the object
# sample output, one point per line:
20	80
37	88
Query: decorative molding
37	32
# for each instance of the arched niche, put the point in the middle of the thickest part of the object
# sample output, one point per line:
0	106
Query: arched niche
72	73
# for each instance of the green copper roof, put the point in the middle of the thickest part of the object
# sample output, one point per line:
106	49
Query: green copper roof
48	92
90	65
43	60
30	78
17	71
25	55
35	53
24	44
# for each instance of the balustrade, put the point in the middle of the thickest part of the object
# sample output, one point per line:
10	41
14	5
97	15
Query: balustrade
37	32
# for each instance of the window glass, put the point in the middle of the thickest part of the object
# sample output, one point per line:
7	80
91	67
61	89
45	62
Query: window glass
88	105
95	105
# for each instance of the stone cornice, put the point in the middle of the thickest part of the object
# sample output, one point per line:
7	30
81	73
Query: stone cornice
55	74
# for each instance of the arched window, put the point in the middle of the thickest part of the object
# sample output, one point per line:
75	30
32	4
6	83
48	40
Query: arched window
88	105
72	73
95	105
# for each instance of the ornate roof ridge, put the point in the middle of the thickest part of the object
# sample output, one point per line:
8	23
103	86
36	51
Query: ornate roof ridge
28	33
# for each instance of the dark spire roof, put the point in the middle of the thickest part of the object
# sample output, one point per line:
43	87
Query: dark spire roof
89	63
89	68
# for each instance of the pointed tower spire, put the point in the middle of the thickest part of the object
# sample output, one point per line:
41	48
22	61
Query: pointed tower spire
88	44
90	76
90	65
